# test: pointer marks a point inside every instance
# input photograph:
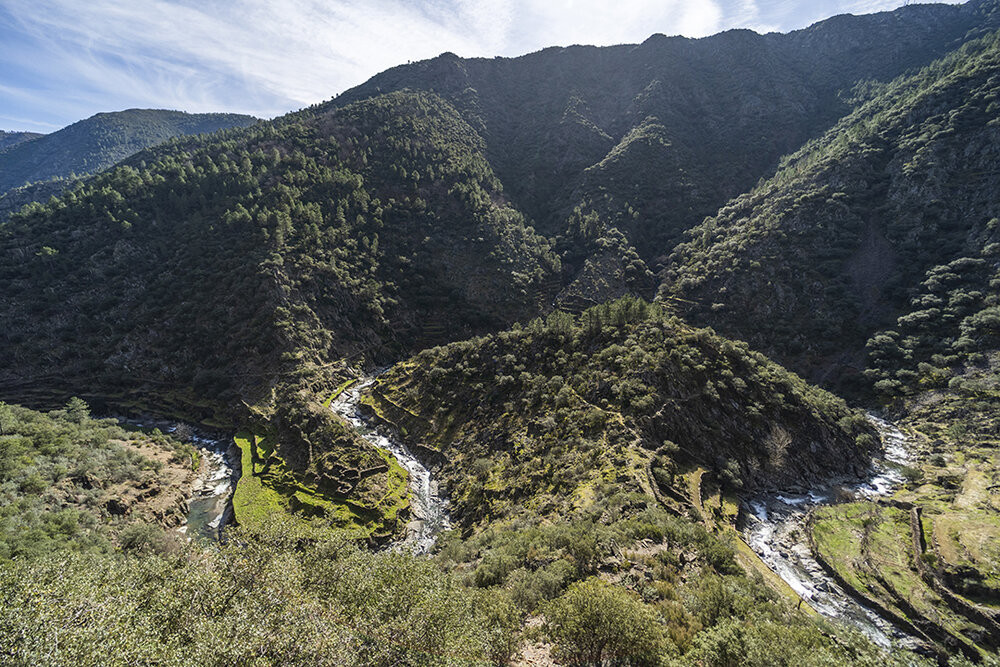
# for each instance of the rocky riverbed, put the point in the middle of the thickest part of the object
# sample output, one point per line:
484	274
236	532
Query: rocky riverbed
206	509
429	508
209	505
775	528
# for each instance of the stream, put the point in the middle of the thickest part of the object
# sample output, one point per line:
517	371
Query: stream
429	509
208	508
776	531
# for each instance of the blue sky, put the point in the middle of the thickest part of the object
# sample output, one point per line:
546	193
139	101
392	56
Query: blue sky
64	60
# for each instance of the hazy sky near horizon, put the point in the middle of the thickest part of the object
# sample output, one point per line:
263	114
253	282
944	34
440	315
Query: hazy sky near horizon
64	60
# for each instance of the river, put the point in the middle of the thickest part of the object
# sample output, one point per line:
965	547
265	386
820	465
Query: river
429	508
775	530
208	507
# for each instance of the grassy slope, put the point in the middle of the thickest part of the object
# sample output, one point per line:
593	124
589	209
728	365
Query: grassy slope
947	581
269	491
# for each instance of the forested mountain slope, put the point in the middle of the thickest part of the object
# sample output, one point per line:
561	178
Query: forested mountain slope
100	141
833	247
224	265
563	413
651	138
8	139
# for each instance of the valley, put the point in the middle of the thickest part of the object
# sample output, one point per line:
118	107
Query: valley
780	531
428	509
678	353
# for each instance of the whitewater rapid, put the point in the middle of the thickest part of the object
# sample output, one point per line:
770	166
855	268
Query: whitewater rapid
776	531
429	508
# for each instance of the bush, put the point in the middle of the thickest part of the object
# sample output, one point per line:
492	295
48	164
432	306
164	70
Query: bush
144	538
596	623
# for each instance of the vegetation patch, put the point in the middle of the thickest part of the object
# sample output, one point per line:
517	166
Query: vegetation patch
269	491
72	482
538	418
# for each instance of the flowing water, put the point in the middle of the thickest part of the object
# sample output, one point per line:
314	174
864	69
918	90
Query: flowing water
776	531
429	509
208	507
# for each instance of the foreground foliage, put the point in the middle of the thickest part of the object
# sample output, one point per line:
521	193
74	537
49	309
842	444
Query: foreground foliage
70	481
290	596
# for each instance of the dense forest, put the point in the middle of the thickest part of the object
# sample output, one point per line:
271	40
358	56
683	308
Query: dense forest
603	304
858	226
99	142
545	413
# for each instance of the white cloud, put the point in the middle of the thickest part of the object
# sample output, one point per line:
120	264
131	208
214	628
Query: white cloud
286	53
268	56
545	22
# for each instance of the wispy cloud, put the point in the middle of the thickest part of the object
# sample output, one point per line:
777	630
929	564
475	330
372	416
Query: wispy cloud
73	58
267	56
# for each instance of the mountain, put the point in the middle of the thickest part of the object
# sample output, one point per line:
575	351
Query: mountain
8	139
472	238
13	200
405	219
229	263
100	141
542	413
234	277
652	138
839	242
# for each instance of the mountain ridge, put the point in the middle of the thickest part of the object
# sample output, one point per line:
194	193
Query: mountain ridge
8	139
100	141
597	92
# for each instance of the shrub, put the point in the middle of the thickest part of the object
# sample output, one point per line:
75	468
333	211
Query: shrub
144	538
596	623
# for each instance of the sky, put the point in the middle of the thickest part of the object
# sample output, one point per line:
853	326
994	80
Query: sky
65	60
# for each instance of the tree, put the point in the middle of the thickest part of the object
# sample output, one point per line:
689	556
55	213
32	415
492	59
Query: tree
596	623
77	409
